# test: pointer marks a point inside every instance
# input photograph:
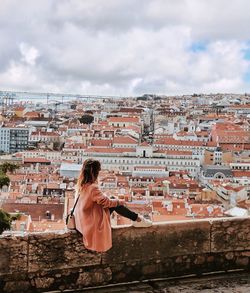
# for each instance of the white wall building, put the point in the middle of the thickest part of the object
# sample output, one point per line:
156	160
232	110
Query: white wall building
150	171
13	139
124	160
240	166
49	155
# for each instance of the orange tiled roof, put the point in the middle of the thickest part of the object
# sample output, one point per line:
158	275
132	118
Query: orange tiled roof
241	173
172	141
109	150
124	119
145	144
32	114
202	133
36	160
20	108
124	140
101	142
239	107
184	133
233	188
134	128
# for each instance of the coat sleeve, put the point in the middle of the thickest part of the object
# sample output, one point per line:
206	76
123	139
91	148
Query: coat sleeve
102	199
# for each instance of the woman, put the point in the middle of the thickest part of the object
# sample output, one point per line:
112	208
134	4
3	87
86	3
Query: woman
93	209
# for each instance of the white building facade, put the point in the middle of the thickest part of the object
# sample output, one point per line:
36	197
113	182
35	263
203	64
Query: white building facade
13	139
124	162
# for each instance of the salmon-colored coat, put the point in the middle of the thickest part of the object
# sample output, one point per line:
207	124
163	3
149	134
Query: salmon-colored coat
92	218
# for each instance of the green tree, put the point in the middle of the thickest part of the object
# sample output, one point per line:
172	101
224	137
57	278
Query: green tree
5	221
4	180
5	167
89	112
57	146
141	98
16	216
86	119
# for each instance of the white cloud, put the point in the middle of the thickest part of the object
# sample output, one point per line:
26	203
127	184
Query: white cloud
124	47
19	76
29	53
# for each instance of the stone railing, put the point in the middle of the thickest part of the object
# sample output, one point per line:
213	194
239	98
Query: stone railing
44	262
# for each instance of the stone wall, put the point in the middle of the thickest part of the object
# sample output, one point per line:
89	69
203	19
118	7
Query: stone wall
43	262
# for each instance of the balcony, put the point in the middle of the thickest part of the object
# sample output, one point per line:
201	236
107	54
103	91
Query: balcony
46	262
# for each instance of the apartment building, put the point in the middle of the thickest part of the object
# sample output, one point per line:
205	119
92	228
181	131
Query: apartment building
124	160
217	157
13	139
169	143
49	155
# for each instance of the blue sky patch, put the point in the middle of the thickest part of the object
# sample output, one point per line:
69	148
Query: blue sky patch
246	53
247	77
198	47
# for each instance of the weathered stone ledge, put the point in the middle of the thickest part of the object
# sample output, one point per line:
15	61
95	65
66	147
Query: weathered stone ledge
58	261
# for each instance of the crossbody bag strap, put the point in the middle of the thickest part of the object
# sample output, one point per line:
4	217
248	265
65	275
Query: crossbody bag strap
72	211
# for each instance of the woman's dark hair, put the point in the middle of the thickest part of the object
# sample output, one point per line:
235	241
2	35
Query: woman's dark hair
89	172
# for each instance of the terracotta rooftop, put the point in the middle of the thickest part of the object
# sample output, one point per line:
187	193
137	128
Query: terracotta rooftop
109	150
124	119
36	160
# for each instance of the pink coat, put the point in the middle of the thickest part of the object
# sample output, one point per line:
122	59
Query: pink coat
92	218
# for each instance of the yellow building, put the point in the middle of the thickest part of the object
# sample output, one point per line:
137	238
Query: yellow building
19	112
207	195
218	157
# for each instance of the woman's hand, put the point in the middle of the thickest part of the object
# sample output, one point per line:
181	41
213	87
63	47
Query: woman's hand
121	202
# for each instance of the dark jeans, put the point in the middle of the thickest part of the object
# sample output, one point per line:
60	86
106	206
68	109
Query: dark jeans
125	212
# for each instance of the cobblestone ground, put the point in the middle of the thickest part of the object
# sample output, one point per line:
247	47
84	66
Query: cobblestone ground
219	284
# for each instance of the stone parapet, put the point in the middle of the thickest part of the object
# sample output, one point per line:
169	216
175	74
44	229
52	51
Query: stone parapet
44	262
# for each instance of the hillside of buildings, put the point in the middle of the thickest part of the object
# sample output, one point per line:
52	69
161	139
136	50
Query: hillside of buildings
168	158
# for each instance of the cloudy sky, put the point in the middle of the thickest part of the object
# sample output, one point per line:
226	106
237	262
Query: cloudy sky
125	47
